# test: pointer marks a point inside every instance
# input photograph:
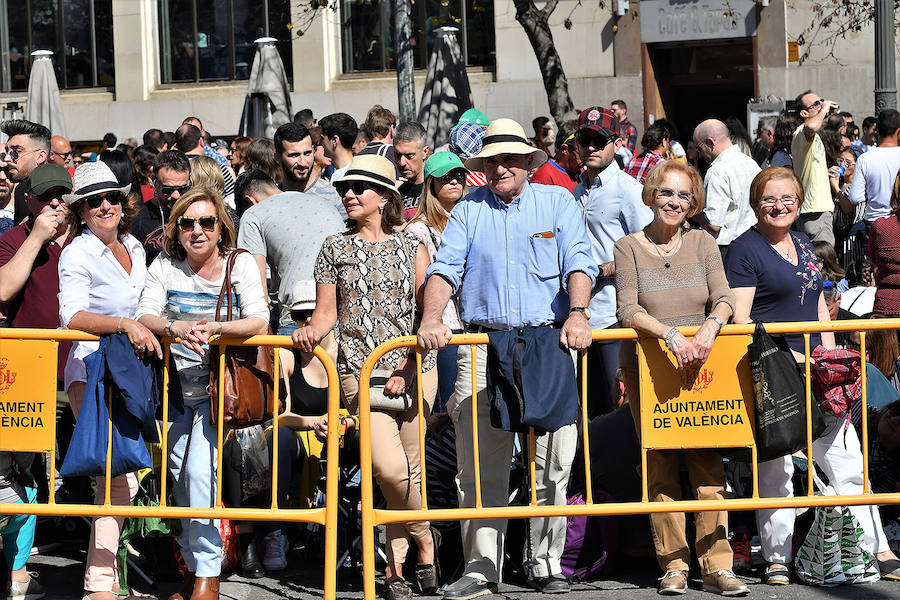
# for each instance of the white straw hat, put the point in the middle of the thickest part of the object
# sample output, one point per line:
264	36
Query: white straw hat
371	168
93	178
505	136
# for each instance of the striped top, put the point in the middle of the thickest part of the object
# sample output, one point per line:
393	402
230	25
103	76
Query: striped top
681	295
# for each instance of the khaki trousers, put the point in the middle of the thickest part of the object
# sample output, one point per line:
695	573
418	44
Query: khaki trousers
101	571
664	485
396	461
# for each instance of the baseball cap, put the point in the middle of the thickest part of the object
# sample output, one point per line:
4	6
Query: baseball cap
441	163
598	118
473	115
48	176
303	295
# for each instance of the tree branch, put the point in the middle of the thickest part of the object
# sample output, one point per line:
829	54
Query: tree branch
549	8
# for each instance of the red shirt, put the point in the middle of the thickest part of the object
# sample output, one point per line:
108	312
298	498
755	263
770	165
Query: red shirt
550	173
884	250
37	304
640	166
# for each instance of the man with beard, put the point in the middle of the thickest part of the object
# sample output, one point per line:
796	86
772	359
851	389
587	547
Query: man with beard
27	147
295	153
171	180
7	206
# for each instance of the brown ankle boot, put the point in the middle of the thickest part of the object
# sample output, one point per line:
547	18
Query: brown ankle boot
206	588
185	592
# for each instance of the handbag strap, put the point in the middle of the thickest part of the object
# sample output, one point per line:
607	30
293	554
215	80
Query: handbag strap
225	292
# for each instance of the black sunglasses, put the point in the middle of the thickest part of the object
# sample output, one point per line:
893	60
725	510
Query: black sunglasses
114	199
168	190
358	187
207	223
597	139
457	175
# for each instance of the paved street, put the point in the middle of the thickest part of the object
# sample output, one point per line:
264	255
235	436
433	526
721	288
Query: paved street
61	573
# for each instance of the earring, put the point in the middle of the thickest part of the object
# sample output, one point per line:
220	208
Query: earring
380	208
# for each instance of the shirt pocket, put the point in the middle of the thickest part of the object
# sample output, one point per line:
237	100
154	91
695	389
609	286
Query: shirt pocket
544	259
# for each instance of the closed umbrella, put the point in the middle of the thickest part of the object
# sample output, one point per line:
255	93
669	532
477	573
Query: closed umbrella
268	102
43	104
447	94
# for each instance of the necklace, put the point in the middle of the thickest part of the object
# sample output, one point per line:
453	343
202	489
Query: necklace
667	252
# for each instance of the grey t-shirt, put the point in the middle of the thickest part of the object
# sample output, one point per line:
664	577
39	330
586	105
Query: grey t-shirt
325	190
289	229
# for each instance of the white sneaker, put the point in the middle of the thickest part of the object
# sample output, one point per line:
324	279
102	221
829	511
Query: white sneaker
275	558
25	590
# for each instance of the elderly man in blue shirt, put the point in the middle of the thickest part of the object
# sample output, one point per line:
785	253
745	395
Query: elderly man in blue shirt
613	208
517	255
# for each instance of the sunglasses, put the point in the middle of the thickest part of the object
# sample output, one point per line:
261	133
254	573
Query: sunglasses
597	139
114	199
14	155
357	187
168	190
207	223
62	155
814	105
457	175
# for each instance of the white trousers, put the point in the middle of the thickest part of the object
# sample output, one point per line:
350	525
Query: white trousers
839	456
483	539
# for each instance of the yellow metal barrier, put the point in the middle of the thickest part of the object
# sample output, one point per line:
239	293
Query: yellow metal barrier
327	516
372	517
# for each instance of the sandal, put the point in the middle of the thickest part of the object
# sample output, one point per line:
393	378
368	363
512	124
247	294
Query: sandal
777	574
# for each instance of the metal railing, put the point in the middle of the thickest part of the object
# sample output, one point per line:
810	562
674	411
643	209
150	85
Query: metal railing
372	517
327	516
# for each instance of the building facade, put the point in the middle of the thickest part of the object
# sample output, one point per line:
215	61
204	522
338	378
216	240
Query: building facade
127	65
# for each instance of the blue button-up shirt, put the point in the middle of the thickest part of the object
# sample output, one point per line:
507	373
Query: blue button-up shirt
511	263
612	208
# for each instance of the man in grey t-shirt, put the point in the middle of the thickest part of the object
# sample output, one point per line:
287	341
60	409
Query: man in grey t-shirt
286	231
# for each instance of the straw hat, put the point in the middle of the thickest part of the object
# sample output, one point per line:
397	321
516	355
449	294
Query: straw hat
91	179
371	168
505	136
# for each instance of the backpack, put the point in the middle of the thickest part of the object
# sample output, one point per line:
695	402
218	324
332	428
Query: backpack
590	541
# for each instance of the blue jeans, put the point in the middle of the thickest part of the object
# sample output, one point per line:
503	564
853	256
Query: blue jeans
192	462
287	329
446	366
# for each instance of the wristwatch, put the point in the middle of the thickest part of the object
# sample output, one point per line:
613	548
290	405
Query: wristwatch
583	310
168	328
717	320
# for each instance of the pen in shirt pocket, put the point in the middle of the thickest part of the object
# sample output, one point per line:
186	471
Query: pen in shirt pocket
543	234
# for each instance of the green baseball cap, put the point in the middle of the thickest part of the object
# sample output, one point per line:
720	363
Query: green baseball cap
441	163
48	176
473	115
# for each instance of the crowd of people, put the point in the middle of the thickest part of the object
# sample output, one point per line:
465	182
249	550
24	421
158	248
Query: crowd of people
345	234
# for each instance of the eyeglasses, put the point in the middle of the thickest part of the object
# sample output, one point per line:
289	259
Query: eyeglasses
357	187
845	162
62	155
597	139
14	155
457	175
667	194
168	190
207	223
787	200
114	199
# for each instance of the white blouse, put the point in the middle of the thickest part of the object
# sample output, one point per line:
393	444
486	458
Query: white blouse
91	279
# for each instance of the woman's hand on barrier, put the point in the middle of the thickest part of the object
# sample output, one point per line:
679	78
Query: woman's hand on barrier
195	334
307	338
320	428
704	339
433	335
685	354
142	339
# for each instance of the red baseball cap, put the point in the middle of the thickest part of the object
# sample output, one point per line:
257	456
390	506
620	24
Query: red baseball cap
599	119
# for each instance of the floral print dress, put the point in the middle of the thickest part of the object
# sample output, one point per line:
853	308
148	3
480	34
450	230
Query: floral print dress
375	295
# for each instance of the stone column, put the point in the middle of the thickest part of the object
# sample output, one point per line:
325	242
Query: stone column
885	74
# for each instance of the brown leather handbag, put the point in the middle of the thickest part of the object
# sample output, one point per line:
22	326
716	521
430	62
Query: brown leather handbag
249	383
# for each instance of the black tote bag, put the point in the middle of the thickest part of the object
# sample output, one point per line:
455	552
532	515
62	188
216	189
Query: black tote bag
780	398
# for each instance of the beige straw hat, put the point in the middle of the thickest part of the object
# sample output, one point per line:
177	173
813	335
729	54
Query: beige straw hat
505	136
371	168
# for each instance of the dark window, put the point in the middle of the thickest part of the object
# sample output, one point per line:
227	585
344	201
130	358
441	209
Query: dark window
212	40
78	32
368	39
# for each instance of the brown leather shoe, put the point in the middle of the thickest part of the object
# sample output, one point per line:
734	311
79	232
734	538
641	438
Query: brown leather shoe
673	583
206	588
185	592
724	583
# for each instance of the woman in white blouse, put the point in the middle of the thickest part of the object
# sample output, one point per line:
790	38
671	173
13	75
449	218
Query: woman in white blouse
179	301
101	275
